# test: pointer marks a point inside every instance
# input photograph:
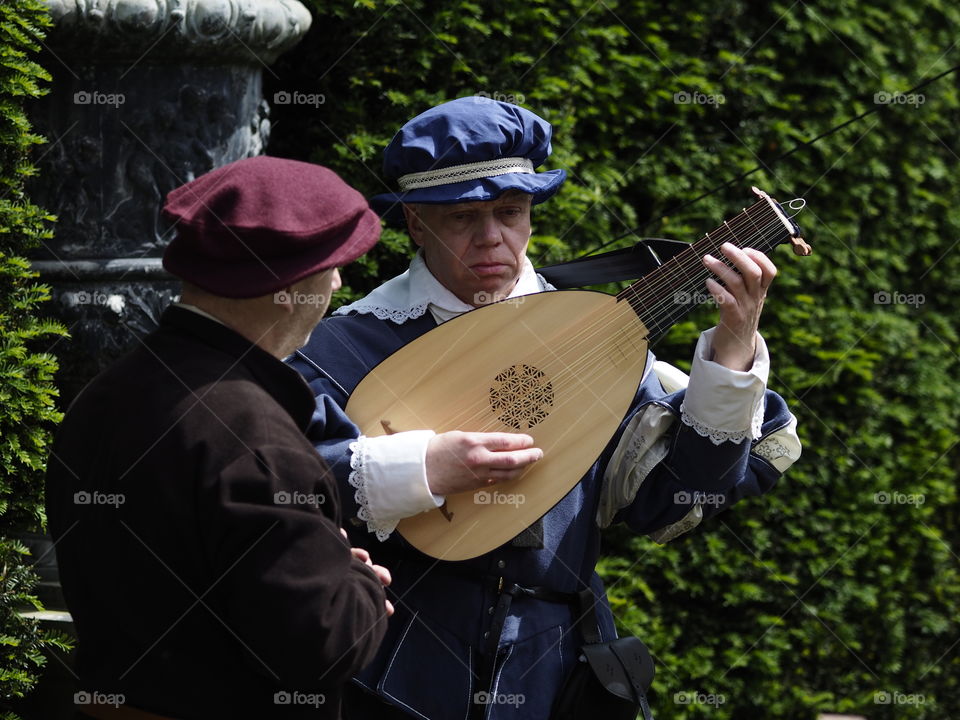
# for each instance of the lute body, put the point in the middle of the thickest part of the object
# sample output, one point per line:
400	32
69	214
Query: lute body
560	366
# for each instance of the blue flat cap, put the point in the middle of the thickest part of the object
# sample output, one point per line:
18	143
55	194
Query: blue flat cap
467	150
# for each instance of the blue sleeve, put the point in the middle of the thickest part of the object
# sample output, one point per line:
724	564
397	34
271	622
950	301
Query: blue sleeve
697	470
340	352
330	430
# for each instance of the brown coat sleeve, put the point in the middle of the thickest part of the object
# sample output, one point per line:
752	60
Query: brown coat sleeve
305	609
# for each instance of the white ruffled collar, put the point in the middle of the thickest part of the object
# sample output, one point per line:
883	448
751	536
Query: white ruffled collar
410	294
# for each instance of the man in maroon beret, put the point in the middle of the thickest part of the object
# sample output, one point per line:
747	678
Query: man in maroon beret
198	532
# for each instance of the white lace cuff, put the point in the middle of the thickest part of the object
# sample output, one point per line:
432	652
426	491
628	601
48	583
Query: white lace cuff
390	478
724	404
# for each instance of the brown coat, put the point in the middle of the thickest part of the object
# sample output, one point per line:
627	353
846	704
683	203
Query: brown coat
198	535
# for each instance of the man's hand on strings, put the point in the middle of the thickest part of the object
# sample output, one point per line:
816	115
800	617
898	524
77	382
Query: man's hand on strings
740	299
463	461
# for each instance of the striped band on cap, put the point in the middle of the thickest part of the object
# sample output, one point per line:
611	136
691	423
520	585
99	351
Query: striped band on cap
467	171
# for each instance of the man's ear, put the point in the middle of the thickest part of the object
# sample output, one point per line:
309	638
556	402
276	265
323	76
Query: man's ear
414	224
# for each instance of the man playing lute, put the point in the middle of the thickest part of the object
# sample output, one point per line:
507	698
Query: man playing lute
491	636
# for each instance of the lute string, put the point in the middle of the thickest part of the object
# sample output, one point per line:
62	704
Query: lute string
773	230
678	266
652	297
662	310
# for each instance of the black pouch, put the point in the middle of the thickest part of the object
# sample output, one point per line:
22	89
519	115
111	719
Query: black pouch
611	678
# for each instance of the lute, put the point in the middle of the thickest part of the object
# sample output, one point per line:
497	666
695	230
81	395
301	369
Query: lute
560	366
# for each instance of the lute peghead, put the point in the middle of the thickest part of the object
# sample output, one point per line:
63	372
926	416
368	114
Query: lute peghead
800	246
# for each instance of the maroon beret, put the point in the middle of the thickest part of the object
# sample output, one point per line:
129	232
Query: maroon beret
258	225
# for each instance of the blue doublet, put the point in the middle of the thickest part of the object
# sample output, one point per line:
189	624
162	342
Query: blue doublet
431	658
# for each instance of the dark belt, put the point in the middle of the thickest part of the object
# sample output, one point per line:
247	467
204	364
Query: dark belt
506	591
510	590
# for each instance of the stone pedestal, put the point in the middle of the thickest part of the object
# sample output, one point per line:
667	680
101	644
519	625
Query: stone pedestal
147	95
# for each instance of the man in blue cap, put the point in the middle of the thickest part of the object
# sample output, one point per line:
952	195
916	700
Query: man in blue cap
467	179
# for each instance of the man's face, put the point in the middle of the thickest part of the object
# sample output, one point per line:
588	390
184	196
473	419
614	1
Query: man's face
476	249
312	297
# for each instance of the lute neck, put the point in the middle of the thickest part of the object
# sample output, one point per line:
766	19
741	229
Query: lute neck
669	293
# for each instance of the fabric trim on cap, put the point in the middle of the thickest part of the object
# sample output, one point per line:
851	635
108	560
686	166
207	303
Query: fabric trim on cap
467	171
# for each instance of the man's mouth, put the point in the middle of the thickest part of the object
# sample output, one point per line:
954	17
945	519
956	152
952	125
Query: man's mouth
484	269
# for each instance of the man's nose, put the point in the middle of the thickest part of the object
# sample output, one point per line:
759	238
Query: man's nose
488	231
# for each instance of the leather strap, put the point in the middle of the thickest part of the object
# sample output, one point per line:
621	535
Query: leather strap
626	264
640	691
587	618
590	631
